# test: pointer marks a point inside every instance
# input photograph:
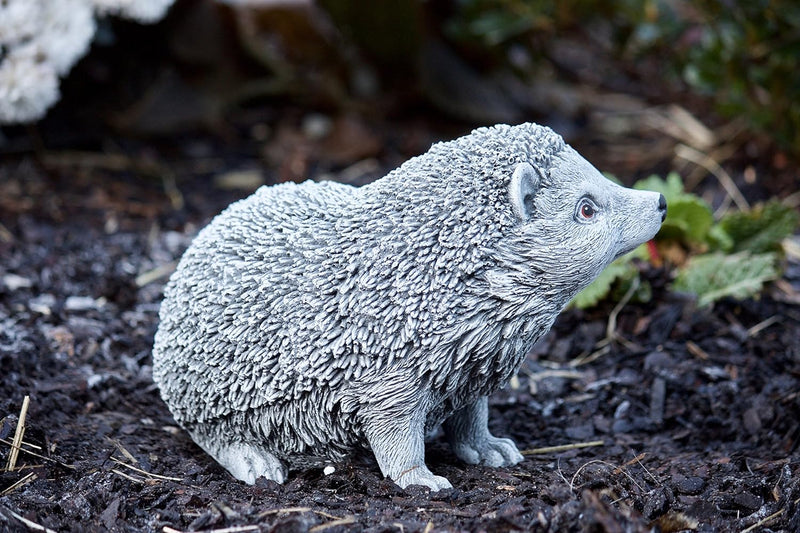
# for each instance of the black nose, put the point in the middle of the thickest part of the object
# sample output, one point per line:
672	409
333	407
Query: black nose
662	206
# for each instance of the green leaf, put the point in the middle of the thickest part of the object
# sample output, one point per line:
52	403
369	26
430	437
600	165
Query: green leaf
761	229
715	276
719	239
671	188
600	288
689	217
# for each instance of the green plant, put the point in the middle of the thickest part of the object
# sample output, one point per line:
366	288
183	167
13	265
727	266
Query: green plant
689	218
717	275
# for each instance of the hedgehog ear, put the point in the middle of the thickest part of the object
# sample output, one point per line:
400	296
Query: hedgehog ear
524	185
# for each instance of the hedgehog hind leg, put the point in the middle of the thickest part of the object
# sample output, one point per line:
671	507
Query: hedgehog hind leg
244	460
468	432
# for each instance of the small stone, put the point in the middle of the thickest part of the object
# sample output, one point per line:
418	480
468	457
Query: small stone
328	470
658	360
689	485
747	501
14	282
581	432
42	304
752	421
658	502
316	126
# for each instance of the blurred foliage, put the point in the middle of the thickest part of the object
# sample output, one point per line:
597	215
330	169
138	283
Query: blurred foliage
714	276
758	230
733	257
619	274
741	55
689	217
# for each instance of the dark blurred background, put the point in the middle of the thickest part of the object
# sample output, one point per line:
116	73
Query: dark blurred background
289	90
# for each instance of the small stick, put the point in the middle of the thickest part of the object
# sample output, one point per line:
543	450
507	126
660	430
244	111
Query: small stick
286	510
761	326
763	521
28	523
341	522
126	476
617	469
699	158
611	328
157	273
562	448
697	351
148	474
298	510
5	235
18	433
568	374
588	358
4	441
128	455
638	459
232	529
24	481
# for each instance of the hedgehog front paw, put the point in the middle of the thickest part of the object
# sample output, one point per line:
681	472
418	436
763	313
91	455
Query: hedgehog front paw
420	475
489	451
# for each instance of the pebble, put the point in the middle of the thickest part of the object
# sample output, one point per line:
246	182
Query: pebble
14	282
42	304
82	303
689	485
752	421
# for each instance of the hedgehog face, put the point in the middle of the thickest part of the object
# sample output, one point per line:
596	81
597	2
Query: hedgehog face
578	220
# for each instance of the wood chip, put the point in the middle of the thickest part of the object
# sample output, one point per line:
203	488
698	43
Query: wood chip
697	351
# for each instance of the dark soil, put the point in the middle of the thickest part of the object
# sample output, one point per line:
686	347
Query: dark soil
697	411
694	414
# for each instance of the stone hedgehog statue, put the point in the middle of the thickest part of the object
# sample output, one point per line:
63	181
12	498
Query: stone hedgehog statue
319	318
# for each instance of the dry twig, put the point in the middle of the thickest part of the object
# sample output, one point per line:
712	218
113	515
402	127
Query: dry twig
297	510
617	469
761	326
155	274
40	456
144	472
563	447
763	521
24	481
232	529
118	445
129	478
31	525
18	434
690	154
341	522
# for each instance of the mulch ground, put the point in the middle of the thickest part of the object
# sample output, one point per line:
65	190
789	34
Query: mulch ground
690	419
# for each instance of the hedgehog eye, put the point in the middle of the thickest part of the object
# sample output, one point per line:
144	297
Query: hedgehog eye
586	211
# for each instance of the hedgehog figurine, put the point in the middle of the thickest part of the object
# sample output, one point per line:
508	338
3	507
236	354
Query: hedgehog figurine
319	319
